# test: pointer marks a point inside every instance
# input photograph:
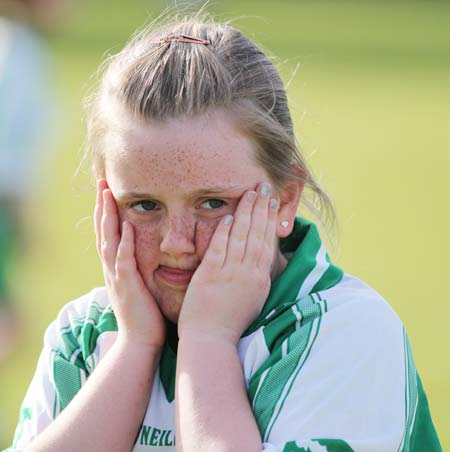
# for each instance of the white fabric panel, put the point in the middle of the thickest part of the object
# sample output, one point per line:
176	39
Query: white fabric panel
160	414
253	352
352	385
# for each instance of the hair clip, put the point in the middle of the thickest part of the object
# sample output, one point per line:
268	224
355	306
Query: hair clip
180	38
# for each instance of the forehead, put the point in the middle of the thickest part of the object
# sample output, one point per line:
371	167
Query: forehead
192	153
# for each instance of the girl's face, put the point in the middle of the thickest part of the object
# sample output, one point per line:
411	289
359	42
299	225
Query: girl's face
174	180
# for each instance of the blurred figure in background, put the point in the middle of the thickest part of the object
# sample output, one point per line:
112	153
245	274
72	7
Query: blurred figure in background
25	105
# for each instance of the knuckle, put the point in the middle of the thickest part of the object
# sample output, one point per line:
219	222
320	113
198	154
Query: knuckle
253	254
121	268
105	253
259	237
217	251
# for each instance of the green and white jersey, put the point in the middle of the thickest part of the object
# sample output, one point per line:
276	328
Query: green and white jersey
327	364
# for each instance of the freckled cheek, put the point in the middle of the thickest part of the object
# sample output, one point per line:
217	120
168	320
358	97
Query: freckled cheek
205	231
147	243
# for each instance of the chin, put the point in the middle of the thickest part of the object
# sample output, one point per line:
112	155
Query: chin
172	317
169	302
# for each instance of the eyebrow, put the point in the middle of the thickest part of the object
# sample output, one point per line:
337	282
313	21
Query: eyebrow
232	189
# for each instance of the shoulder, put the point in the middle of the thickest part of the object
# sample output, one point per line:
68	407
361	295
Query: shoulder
347	329
359	330
350	315
343	363
81	307
80	322
356	310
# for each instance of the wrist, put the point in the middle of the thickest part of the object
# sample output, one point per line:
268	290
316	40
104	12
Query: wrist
136	346
215	337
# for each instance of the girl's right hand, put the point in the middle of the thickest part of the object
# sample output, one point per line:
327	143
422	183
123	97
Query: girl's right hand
138	316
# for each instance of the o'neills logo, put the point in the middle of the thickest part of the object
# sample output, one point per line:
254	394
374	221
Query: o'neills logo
152	436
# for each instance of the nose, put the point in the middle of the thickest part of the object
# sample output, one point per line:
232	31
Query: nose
178	236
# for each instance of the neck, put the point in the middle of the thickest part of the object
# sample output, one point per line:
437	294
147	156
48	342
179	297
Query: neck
279	265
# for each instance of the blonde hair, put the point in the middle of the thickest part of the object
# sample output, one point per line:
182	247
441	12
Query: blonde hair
155	79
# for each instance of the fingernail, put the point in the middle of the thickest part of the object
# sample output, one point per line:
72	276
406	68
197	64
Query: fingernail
265	188
273	204
228	219
251	195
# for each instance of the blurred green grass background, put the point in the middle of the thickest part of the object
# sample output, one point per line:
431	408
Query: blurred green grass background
371	104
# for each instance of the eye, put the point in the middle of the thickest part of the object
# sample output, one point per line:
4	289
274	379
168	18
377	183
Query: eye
144	206
213	204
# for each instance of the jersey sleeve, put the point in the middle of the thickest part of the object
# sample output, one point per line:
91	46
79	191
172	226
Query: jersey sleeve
64	365
38	407
344	382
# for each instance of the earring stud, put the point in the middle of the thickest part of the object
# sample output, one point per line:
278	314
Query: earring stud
285	223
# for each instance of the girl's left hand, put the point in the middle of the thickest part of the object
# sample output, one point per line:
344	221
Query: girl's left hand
230	286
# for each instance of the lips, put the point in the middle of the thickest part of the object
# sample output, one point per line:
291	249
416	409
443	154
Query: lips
174	276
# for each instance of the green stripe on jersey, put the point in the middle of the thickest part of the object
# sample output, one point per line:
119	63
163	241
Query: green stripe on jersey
420	434
68	381
424	436
329	279
25	415
318	445
271	384
72	358
167	371
289	383
411	396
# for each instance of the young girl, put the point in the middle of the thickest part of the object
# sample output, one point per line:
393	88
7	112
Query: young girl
223	324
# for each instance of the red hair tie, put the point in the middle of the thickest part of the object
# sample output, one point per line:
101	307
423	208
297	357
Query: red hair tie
180	38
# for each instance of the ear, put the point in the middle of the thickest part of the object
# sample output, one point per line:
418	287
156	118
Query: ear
290	196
